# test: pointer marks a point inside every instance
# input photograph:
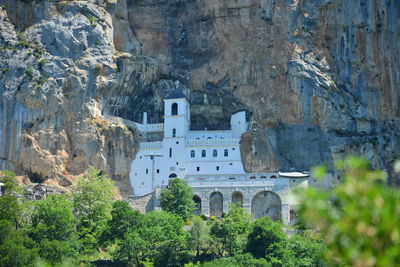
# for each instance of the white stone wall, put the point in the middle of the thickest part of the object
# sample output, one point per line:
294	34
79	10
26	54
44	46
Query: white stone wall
215	152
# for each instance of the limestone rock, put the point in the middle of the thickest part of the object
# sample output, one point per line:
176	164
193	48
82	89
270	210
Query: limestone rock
318	79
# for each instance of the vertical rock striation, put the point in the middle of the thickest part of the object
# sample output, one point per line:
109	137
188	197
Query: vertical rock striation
319	79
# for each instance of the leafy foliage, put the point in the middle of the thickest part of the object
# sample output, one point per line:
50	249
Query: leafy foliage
10	183
161	239
123	219
264	235
242	260
15	247
54	228
10	210
360	218
298	251
231	232
92	206
355	224
177	198
199	235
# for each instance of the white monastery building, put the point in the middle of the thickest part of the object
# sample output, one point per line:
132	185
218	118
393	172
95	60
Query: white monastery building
183	152
210	162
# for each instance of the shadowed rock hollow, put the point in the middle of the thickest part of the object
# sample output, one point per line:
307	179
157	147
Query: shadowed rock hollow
319	79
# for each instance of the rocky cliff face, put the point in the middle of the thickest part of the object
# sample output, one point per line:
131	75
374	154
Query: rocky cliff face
319	79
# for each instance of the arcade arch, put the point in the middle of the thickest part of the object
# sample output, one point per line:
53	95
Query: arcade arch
267	203
237	197
197	206
216	204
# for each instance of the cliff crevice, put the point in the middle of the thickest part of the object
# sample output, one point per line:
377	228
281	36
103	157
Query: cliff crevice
319	79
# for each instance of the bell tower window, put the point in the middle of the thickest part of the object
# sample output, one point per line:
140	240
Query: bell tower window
174	109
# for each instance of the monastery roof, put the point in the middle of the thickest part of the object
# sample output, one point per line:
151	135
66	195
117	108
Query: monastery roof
176	94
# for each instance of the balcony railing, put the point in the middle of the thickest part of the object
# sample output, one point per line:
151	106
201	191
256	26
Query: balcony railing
213	142
157	127
151	145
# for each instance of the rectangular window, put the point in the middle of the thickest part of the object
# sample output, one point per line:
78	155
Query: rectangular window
147	171
170	152
215	153
217	168
158	170
197	168
225	152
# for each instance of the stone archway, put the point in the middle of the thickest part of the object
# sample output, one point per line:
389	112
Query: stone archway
267	203
197	206
216	204
237	197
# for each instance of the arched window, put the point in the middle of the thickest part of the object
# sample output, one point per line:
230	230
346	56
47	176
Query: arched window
174	109
203	153
225	152
215	153
192	154
174	132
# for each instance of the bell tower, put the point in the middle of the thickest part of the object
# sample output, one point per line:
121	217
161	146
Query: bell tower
176	115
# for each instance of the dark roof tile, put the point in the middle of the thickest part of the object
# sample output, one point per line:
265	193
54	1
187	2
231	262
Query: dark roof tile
176	94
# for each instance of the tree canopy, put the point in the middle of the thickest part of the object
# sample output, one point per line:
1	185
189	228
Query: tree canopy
355	224
359	218
177	198
92	201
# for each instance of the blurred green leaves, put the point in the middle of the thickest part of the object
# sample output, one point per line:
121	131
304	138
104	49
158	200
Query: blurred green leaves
360	218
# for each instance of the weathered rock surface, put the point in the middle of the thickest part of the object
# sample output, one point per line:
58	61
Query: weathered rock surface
58	65
319	79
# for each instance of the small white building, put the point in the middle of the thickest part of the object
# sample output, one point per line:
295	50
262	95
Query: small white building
173	150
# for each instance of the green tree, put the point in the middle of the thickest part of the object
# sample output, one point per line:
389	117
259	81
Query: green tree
199	235
11	210
54	228
15	247
298	251
132	249
307	251
177	198
93	200
161	239
359	218
123	219
242	260
263	235
232	230
10	183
